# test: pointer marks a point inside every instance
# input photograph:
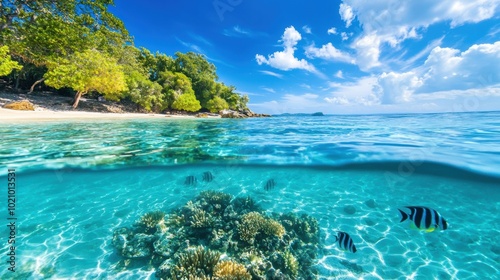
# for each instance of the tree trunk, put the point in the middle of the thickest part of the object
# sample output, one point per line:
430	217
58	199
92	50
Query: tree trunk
16	87
34	84
77	99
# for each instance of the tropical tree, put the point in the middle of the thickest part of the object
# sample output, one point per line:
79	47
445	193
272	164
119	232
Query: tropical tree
187	102
217	104
201	73
146	93
88	71
43	31
174	85
7	65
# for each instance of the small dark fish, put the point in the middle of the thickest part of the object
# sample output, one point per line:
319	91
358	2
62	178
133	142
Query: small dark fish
270	184
190	181
208	176
345	242
424	218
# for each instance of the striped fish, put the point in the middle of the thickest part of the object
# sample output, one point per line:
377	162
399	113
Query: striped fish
190	181
270	184
424	218
345	242
208	177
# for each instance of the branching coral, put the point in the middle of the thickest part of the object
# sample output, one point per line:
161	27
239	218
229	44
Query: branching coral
201	219
254	223
198	263
272	227
229	270
151	219
291	263
215	197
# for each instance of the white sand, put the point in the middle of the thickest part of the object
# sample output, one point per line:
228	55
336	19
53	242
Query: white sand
41	115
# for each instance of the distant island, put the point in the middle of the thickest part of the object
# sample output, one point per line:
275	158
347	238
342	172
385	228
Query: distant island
318	114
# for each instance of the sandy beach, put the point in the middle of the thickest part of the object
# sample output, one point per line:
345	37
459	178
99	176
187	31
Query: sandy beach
52	107
12	115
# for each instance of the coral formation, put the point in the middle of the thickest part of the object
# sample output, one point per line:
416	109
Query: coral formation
254	223
151	219
198	263
229	270
188	242
291	263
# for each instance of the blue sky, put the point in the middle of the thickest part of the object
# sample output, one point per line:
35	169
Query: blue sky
339	57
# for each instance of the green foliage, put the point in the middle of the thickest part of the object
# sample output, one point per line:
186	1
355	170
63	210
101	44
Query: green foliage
144	92
88	71
186	102
49	37
155	63
201	73
217	104
174	85
7	65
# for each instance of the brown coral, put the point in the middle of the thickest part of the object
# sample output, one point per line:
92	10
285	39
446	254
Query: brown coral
201	219
199	263
151	219
254	223
229	270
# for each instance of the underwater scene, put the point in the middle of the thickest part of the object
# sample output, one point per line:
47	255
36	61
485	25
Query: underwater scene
289	197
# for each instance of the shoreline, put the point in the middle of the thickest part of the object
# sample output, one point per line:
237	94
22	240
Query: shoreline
45	115
48	106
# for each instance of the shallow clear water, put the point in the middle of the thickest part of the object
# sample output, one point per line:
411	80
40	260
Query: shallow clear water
78	182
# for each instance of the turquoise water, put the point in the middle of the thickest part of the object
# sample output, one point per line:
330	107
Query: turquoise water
78	181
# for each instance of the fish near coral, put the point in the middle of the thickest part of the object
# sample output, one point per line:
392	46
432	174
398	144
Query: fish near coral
345	242
208	177
190	181
424	218
270	184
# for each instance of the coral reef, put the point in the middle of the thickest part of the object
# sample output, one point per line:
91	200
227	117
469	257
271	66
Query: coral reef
188	242
229	270
291	263
198	263
254	223
151	220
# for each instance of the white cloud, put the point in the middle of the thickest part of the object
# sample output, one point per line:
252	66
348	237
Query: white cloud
270	73
329	52
306	29
332	30
285	60
393	21
359	92
445	70
339	74
397	88
269	89
191	46
344	36
346	14
368	50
